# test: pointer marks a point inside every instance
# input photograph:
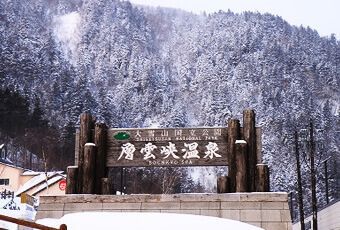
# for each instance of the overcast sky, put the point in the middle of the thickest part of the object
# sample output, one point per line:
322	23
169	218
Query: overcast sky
322	15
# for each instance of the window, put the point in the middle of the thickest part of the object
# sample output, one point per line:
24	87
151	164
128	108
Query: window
4	181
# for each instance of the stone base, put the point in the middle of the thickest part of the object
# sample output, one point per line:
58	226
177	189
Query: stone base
267	210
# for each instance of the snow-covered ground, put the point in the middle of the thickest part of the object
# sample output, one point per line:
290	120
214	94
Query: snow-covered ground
143	221
14	208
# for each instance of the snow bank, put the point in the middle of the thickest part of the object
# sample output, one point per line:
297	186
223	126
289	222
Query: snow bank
16	209
143	221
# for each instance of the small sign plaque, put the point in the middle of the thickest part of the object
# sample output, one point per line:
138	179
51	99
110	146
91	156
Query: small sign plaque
27	199
62	185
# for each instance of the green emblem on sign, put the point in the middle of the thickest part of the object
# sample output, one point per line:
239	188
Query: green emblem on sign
122	136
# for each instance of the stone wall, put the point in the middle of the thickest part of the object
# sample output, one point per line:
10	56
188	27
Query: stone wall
267	210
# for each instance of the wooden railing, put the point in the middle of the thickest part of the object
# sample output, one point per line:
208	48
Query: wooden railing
30	224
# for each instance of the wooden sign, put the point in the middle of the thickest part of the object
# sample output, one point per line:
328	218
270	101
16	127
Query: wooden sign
27	199
99	148
167	147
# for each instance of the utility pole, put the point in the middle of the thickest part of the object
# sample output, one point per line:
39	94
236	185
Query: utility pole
298	170
313	179
326	179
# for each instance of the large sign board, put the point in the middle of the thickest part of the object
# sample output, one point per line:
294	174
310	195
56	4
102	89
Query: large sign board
167	147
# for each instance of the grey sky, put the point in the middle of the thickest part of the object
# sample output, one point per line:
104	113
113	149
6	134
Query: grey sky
321	15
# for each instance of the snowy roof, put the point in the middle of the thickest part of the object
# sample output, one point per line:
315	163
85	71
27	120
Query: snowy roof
9	163
30	173
6	161
36	181
50	182
144	221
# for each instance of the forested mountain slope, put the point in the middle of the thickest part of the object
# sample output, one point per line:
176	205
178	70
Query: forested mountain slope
138	66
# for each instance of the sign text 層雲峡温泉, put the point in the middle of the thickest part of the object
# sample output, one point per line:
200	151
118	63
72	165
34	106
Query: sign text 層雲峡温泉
167	147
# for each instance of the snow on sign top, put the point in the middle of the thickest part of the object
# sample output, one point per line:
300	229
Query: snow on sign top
167	147
240	142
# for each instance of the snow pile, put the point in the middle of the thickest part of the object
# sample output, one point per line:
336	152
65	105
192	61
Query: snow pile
143	221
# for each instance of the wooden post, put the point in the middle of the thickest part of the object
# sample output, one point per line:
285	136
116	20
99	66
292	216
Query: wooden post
241	166
76	148
262	178
105	186
259	144
89	170
100	136
71	180
86	124
233	135
249	135
223	184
